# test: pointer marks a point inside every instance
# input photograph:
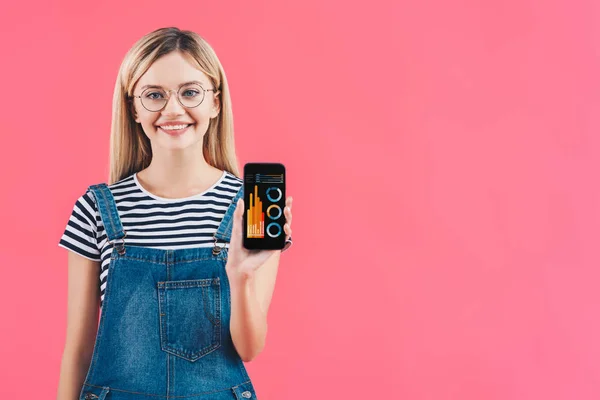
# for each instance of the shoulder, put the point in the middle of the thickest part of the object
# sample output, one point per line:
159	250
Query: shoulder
232	178
230	183
116	189
85	206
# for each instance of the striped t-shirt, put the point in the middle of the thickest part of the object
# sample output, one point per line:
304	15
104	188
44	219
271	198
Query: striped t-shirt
149	220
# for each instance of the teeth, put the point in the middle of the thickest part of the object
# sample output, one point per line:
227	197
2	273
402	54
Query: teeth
173	127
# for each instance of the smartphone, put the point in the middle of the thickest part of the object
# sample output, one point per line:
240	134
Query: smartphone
264	202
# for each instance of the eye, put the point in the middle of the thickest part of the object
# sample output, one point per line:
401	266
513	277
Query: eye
195	92
149	95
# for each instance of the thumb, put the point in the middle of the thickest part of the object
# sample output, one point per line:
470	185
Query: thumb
237	220
239	209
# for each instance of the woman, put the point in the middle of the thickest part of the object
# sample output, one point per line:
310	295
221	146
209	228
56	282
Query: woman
183	302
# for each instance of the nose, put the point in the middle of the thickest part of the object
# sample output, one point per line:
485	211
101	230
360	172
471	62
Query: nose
173	106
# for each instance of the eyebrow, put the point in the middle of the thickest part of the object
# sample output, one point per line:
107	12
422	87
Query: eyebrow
160	87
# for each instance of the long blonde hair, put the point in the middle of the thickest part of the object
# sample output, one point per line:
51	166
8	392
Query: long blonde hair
130	149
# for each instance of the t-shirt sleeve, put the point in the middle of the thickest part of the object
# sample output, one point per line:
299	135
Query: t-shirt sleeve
80	234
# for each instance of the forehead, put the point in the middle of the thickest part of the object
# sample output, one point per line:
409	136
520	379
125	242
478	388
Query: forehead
170	71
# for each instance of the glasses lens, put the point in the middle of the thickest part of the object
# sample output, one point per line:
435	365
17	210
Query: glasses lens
191	95
154	99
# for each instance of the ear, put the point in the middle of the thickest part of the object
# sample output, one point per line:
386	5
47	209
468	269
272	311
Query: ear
216	104
133	111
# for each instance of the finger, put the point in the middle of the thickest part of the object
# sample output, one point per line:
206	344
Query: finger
288	215
288	231
237	216
239	212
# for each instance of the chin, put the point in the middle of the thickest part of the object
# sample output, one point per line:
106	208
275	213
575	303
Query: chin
178	143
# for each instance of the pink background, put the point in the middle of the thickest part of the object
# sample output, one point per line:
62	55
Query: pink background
443	158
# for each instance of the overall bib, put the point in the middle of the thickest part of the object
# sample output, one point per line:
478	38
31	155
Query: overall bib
164	327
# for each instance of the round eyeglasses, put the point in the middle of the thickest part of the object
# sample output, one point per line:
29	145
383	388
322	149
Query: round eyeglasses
189	96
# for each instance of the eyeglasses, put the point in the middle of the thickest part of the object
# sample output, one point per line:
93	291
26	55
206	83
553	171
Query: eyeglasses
190	95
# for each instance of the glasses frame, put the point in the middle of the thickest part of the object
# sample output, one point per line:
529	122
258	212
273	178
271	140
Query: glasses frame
216	91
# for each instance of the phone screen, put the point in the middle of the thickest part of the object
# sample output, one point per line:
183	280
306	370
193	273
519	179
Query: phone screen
264	202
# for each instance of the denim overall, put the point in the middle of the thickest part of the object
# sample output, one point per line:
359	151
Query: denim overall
164	328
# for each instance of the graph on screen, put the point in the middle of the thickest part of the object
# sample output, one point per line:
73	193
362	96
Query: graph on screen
256	216
263	205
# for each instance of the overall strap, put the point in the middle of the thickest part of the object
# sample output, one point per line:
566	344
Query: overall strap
224	231
108	213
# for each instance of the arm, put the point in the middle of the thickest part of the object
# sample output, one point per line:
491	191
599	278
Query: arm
250	300
82	325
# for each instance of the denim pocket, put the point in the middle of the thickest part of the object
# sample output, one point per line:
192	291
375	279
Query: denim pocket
190	317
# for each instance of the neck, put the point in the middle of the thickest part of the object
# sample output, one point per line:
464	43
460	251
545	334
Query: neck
178	175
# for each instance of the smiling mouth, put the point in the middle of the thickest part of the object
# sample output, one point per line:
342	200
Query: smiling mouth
182	126
174	131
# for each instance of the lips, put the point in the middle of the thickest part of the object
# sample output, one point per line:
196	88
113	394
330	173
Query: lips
175	123
170	126
175	131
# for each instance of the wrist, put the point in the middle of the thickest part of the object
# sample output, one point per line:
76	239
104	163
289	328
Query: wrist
237	275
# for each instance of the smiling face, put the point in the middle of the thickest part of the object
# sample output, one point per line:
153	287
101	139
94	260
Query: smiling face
170	72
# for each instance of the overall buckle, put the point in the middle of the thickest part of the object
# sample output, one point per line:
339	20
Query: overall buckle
120	244
216	249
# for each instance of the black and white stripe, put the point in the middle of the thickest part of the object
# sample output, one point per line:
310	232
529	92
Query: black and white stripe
149	220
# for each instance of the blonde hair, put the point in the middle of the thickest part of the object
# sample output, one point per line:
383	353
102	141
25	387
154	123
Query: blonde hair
130	149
